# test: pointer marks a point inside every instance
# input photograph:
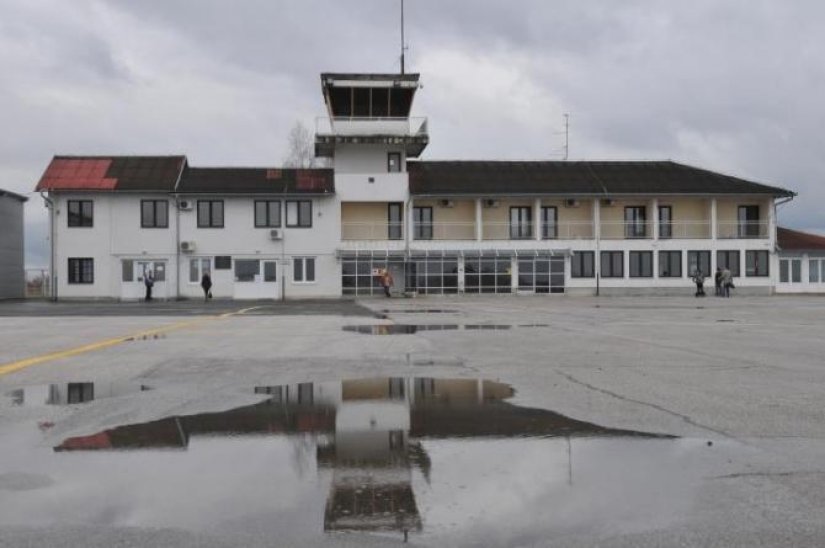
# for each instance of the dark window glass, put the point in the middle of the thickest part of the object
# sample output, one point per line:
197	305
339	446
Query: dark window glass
612	264
210	213
270	271
641	264
80	213
394	162
635	218
267	213
223	262
303	269
299	213
756	263
670	264
749	226
581	264
423	223
783	270
247	269
665	222
394	222
729	260
81	271
154	214
521	223
796	270
549	218
698	260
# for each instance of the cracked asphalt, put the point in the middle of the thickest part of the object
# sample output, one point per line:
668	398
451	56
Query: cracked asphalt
743	378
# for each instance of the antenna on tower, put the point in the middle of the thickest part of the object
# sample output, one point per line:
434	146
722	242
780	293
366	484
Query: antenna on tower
566	136
403	44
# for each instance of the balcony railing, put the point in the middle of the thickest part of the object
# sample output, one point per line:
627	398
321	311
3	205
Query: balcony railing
372	231
727	230
416	125
684	230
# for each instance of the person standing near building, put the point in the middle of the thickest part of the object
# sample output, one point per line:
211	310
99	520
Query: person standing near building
727	282
387	281
149	282
206	285
717	278
699	280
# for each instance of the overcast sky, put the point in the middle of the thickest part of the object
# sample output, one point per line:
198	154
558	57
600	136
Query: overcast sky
736	86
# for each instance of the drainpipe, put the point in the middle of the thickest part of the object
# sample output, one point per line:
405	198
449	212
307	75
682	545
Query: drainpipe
177	247
52	277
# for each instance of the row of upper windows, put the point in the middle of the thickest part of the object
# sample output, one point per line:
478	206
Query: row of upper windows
155	213
640	263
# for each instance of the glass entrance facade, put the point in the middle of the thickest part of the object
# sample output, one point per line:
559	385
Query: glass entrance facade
541	274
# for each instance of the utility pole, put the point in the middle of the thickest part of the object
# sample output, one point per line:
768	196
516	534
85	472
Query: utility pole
566	134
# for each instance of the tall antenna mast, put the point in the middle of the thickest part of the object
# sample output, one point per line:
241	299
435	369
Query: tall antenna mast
566	136
403	45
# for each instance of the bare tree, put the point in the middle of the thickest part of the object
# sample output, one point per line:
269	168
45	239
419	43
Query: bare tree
301	148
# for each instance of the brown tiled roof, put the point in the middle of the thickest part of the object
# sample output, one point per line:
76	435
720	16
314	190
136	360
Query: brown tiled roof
255	180
122	173
575	179
787	240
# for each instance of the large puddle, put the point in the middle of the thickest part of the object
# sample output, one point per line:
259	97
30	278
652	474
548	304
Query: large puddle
410	329
450	461
72	392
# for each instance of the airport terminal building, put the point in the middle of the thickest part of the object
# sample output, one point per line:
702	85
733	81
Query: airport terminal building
440	227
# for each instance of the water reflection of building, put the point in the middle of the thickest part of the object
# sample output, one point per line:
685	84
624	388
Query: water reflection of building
367	432
72	392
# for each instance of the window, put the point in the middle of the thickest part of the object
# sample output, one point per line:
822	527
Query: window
487	275
612	264
81	271
394	221
816	270
729	260
199	267
541	275
127	270
635	219
756	263
247	269
303	269
521	223
665	222
748	217
581	264
698	260
394	162
670	264
549	218
423	223
270	271
154	214
267	213
81	213
434	275
299	213
210	213
360	276
641	264
223	262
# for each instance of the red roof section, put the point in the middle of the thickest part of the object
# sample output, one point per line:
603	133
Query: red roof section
77	174
788	239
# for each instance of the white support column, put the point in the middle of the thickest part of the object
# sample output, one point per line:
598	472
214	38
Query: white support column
654	218
479	227
597	219
537	219
410	221
772	223
713	223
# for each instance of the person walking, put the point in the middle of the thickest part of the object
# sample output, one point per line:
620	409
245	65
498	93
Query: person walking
727	282
717	279
387	281
699	280
206	285
149	282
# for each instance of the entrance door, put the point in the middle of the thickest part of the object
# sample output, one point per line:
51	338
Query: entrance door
398	277
133	275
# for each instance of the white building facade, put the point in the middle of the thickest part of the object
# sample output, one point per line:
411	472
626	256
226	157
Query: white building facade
440	227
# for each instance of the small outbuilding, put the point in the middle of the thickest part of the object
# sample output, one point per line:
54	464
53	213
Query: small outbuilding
801	257
12	273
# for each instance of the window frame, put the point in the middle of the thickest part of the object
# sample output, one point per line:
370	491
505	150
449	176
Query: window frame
299	221
422	230
210	222
752	255
636	259
554	223
728	253
267	221
578	264
700	253
395	227
80	219
390	156
635	218
665	225
524	221
665	259
303	261
81	279
611	274
748	227
155	204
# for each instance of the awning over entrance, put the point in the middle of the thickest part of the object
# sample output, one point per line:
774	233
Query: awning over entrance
436	253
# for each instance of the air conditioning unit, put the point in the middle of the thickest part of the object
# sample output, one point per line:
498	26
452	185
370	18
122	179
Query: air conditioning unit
185	205
446	203
187	247
608	202
275	234
490	203
571	203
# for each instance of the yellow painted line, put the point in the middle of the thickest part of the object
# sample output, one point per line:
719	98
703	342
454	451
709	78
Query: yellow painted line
5	369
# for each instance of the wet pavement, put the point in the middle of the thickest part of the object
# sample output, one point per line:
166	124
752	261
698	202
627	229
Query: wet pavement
410	329
441	460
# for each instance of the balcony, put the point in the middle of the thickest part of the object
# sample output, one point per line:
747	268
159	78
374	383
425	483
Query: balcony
367	126
731	230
